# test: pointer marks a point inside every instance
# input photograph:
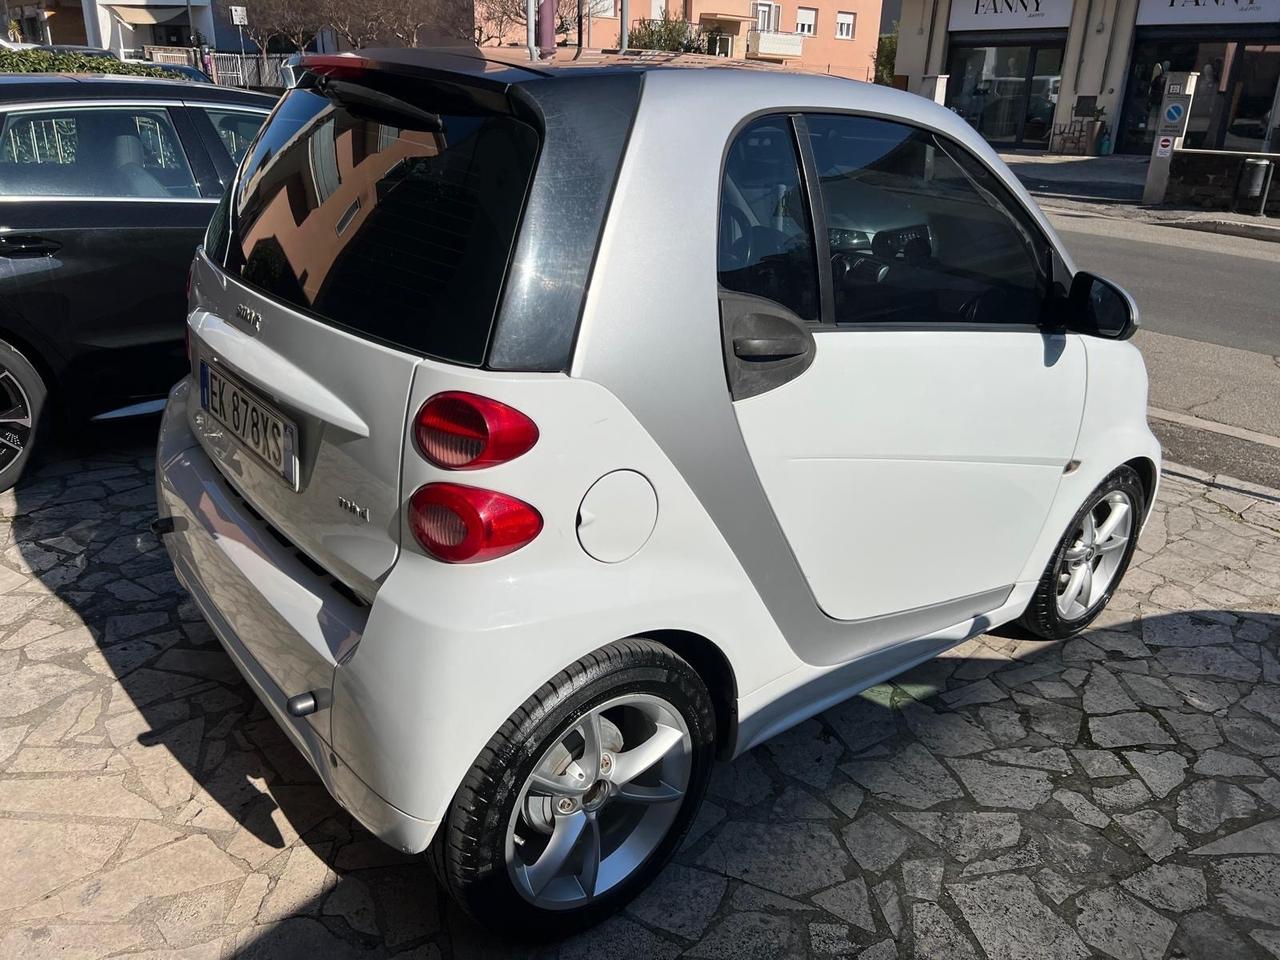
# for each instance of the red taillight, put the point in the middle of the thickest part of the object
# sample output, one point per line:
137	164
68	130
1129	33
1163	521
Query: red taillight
461	431
335	65
459	524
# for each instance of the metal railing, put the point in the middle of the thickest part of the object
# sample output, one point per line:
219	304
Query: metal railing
229	69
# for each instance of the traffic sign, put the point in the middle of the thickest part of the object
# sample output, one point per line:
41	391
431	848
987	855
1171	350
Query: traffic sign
1164	147
239	16
1172	114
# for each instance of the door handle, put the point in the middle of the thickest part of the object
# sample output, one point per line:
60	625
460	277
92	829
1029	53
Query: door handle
770	348
26	245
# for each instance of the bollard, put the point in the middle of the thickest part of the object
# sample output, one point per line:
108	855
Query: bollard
1253	182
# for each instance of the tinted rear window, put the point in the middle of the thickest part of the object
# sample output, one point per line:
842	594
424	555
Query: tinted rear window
384	217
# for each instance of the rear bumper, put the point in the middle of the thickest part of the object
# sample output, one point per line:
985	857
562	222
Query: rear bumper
243	579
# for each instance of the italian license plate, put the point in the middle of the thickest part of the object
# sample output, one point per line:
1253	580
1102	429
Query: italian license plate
267	433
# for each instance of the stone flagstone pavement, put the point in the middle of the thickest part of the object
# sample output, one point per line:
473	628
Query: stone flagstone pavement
1115	795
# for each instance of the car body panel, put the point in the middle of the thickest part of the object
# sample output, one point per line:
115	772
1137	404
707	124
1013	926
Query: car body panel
913	468
340	391
628	316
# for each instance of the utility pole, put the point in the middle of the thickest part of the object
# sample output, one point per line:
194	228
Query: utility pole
625	23
531	26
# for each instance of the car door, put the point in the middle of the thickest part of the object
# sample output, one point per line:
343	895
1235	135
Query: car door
105	204
907	414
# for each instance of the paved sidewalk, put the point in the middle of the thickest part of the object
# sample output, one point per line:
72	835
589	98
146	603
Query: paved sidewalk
1114	795
1112	187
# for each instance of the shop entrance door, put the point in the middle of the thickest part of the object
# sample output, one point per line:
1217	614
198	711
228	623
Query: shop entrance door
1008	92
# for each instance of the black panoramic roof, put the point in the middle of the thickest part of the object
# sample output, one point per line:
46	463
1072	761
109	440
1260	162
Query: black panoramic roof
34	87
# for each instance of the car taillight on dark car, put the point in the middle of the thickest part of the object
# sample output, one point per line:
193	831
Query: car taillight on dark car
463	431
461	524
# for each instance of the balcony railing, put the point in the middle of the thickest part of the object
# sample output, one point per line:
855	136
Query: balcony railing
773	45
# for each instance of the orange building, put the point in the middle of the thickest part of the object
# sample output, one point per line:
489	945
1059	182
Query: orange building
822	36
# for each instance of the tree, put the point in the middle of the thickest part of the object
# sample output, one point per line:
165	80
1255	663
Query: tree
359	24
298	21
295	21
496	20
887	56
425	22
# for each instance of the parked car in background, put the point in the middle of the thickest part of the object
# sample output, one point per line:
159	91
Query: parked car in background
16	45
82	51
518	504
181	71
106	186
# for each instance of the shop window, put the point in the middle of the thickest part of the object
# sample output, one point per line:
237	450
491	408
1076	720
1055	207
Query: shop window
1234	90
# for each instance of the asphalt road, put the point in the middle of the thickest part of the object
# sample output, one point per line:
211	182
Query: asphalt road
1210	333
1201	286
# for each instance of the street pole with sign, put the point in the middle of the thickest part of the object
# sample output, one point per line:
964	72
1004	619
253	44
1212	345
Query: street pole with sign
240	17
1175	111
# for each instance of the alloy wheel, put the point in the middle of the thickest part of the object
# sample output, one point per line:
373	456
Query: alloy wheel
15	418
1088	566
599	801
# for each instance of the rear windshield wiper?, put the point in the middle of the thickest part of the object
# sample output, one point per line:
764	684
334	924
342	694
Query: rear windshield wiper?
370	104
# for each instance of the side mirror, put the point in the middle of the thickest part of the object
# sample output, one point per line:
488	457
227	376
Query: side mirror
1097	307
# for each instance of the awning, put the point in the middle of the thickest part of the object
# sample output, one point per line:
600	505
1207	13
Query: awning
726	16
145	16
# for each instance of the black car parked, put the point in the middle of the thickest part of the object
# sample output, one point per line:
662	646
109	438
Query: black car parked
106	187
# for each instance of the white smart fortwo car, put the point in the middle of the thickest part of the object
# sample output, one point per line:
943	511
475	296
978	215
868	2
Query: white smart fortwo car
552	432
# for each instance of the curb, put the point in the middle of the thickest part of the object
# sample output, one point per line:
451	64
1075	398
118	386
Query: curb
1132	210
1253	231
1221	481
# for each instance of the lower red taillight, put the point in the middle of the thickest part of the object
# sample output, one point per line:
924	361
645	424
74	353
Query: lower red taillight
461	524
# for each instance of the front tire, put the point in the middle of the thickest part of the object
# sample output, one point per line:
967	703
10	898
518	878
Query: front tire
581	797
22	403
1091	558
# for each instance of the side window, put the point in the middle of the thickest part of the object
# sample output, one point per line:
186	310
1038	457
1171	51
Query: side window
94	152
921	231
766	241
235	128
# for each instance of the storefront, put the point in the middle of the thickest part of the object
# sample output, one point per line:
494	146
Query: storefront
1018	69
1005	67
1235	49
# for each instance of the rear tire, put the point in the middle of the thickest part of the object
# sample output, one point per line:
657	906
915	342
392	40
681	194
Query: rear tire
22	404
1090	559
516	848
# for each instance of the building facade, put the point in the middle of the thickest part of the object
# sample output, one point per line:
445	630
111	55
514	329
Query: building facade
838	37
1018	69
124	26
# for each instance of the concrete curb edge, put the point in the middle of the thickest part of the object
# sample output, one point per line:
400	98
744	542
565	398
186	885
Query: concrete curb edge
1221	481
